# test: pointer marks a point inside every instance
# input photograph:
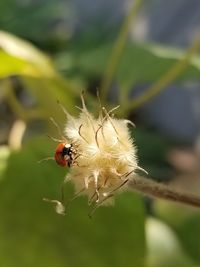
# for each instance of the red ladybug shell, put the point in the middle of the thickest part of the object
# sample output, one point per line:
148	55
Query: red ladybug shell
59	158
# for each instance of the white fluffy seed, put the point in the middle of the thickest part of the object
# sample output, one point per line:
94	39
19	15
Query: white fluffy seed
106	156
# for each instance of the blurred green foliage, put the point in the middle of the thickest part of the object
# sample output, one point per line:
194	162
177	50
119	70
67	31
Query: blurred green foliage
135	65
185	223
32	234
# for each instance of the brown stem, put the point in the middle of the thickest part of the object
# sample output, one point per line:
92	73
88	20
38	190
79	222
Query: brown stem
157	190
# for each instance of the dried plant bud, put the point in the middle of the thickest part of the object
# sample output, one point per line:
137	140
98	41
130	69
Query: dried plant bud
105	155
102	159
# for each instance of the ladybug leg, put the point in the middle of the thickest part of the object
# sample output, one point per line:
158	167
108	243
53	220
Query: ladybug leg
76	157
75	163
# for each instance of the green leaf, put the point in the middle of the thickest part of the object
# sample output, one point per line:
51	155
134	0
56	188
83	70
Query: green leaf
189	234
10	65
32	234
48	92
19	57
152	151
164	248
4	154
35	61
185	221
139	63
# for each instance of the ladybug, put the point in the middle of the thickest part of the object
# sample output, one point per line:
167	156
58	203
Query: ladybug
64	154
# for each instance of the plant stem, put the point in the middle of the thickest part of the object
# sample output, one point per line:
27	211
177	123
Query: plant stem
165	80
18	109
154	189
117	51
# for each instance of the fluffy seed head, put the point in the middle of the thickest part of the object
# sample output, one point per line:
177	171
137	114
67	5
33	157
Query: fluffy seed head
105	154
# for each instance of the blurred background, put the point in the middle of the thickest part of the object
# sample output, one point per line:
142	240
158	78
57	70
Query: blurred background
141	55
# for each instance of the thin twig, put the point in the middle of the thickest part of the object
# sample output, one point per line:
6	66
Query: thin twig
165	80
117	51
158	190
18	109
